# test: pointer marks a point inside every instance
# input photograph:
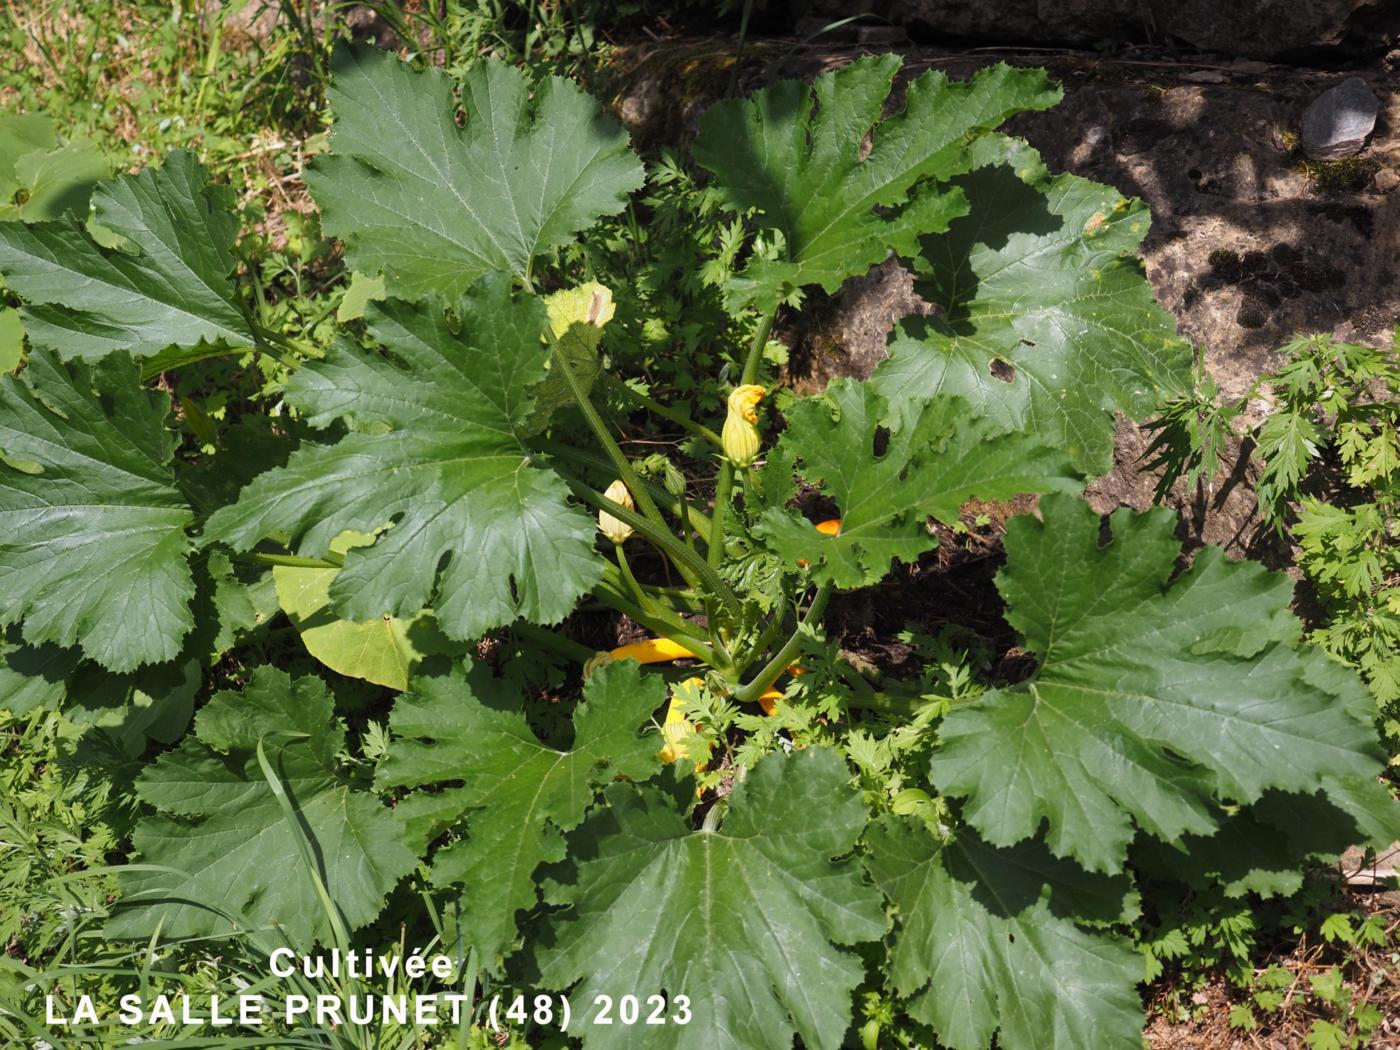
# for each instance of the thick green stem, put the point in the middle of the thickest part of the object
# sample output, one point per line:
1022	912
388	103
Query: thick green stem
760	340
685	559
679	507
657	408
630	580
618	602
773	670
712	817
674	623
600	431
724	486
292	561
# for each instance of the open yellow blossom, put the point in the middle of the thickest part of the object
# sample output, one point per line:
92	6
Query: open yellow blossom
614	529
740	436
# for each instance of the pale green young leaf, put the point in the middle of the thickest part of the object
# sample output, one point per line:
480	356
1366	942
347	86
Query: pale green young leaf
794	153
517	796
1155	697
222	828
987	943
744	920
1047	324
167	286
385	650
93	550
435	206
941	457
433	450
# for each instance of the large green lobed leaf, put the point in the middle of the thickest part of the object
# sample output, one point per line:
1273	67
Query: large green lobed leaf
988	943
167	285
794	154
436	206
744	920
1047	324
93	550
517	795
938	459
232	848
479	533
1157	695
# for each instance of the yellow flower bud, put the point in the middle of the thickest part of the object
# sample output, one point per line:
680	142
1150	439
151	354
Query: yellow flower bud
611	527
740	436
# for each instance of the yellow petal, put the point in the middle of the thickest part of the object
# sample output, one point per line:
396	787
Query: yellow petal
743	402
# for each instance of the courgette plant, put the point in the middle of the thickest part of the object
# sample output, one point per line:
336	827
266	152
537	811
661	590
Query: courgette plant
450	469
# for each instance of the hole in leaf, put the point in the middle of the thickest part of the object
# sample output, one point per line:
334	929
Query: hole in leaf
882	440
1002	370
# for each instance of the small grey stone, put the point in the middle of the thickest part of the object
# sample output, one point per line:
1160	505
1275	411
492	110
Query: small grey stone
1339	120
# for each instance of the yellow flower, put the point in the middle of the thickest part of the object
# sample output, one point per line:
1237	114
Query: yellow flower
740	436
678	732
612	528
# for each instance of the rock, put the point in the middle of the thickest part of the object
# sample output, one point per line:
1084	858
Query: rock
882	36
1385	866
1386	179
1096	145
1250	28
1339	121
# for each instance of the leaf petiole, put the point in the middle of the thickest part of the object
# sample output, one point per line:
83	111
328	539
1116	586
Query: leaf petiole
775	667
662	538
293	561
657	408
